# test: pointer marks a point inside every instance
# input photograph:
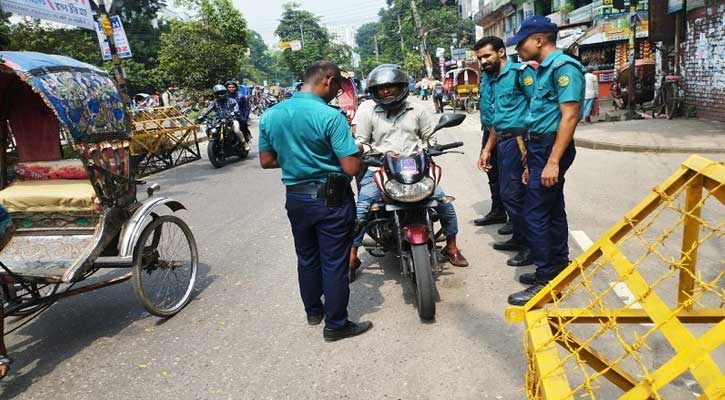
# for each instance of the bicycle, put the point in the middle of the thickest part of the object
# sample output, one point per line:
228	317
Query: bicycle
669	97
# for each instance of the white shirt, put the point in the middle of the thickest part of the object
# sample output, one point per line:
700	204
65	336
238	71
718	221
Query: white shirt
405	133
592	86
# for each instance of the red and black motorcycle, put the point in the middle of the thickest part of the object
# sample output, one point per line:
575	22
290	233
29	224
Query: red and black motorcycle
403	223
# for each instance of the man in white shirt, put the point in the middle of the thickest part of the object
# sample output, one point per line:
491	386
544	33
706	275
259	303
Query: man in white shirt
591	92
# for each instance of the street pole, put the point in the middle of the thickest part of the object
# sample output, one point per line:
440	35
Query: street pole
632	52
377	53
302	34
118	70
423	48
678	29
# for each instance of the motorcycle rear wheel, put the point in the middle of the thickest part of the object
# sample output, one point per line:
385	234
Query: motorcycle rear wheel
213	150
424	285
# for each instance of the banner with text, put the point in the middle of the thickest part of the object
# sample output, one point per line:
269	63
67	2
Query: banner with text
70	12
123	49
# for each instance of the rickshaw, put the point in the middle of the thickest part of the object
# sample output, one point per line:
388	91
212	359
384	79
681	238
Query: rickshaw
464	84
68	196
644	84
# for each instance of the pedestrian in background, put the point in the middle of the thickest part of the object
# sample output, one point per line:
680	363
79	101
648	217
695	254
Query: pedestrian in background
512	86
553	117
497	214
591	92
169	96
311	142
424	84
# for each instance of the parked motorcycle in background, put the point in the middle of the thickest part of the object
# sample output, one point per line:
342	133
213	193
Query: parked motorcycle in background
403	223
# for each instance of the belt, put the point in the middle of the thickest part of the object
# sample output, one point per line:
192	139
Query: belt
539	137
305	188
511	133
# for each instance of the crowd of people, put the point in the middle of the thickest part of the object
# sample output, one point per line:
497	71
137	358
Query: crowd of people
528	119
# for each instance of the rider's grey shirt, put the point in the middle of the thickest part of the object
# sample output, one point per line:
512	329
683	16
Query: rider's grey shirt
405	133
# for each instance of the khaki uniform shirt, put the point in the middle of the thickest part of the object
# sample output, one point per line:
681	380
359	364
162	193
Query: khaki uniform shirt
405	133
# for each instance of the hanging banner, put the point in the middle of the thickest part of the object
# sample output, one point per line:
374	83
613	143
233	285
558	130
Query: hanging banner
123	49
296	45
70	12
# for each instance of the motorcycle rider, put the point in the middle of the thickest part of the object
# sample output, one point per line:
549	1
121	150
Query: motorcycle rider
224	105
244	108
394	125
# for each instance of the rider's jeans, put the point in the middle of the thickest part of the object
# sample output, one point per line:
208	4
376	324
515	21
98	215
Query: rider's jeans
370	194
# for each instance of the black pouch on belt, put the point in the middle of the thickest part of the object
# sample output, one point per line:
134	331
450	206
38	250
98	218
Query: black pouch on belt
335	190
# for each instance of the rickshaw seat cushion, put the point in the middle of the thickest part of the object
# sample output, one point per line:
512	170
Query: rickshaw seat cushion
51	170
60	195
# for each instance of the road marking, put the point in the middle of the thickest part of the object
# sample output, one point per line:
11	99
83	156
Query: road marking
620	288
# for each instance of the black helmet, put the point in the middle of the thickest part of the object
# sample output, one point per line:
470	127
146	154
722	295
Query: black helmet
232	82
388	74
219	91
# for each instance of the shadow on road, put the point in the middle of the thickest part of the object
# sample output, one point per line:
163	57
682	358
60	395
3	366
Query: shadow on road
70	326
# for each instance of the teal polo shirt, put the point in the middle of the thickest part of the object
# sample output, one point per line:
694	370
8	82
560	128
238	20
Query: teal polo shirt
308	136
559	79
513	87
485	102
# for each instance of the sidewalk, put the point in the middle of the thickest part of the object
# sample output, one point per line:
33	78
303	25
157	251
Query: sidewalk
654	135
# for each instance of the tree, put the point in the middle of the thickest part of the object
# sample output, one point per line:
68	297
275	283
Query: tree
4	29
206	51
76	43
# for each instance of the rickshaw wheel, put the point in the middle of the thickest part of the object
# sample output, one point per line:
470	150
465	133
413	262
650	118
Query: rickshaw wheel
165	266
470	105
41	290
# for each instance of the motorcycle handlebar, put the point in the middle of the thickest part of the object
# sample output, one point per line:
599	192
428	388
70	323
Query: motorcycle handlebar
444	147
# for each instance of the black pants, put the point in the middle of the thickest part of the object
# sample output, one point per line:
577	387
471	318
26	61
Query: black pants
493	175
438	101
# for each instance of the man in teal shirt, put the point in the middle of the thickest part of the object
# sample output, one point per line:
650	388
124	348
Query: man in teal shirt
497	215
313	145
512	85
553	116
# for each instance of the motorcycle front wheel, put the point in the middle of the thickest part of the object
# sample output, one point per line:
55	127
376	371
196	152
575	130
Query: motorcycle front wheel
425	288
213	150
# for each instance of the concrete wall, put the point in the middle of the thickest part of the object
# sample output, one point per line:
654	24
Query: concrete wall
703	61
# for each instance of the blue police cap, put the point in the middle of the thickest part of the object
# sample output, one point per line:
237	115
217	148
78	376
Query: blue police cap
531	25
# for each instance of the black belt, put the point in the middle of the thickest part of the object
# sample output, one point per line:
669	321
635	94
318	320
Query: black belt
511	133
306	188
540	137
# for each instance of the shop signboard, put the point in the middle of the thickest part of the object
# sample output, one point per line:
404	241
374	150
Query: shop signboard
618	28
459	54
581	14
529	10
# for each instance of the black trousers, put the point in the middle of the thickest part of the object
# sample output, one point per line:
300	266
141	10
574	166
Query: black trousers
493	175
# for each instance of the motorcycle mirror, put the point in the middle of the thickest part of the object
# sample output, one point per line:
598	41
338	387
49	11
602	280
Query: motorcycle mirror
449	120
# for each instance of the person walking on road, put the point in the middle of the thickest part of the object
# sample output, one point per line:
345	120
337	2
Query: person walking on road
591	93
311	142
512	85
553	117
169	96
497	214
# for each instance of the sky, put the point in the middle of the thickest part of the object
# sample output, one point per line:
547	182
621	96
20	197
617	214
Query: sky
263	15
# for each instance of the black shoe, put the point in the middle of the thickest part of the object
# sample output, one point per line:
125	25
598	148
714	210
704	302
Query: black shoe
315	319
506	229
493	217
508	245
523	297
521	259
528	278
350	330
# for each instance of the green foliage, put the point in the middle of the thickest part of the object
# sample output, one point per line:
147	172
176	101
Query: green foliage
4	29
80	44
200	53
317	42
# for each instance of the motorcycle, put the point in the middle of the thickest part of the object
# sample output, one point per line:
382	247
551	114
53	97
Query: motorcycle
403	223
223	142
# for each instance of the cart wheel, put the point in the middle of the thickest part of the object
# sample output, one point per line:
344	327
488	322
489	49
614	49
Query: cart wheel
40	290
470	105
165	266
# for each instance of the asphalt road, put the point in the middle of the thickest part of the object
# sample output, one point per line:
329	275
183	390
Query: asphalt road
244	335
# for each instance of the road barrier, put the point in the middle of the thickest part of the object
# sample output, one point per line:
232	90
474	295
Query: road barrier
163	138
640	314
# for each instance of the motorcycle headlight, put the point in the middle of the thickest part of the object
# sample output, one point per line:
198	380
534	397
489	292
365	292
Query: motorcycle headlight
213	131
411	193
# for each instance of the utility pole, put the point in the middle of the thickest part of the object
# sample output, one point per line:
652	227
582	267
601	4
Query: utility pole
302	34
377	53
631	114
117	69
423	47
400	32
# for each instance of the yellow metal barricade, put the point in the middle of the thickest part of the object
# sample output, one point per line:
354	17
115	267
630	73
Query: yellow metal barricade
640	314
163	137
